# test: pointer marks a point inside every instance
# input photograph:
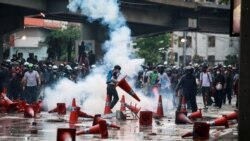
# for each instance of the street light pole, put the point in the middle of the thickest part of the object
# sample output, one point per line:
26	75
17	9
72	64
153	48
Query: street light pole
184	41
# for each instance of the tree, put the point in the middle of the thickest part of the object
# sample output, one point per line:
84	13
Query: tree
60	42
153	48
231	60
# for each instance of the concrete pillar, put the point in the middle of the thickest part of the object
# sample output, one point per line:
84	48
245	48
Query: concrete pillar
244	93
95	32
1	47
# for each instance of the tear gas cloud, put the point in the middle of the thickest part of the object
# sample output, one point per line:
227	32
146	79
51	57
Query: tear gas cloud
92	90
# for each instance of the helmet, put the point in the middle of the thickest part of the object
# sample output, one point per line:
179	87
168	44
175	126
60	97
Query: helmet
54	67
30	65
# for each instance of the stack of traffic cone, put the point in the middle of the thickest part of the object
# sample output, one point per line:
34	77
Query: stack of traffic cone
159	112
29	112
101	127
97	118
123	108
182	118
73	118
66	134
133	109
222	121
83	114
125	86
195	115
233	115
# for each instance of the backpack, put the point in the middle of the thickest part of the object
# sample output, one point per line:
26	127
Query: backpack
109	76
153	78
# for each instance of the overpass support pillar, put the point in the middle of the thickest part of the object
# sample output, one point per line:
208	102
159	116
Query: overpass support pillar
1	47
94	33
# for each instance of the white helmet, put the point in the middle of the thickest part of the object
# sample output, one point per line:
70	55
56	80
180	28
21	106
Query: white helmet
54	67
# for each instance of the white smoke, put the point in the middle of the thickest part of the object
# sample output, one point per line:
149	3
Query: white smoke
93	88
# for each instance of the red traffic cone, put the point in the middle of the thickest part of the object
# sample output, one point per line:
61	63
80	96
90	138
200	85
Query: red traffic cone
195	115
21	105
53	110
188	134
159	112
66	134
233	115
83	114
145	118
222	121
125	86
29	112
183	105
123	108
201	131
107	109
73	118
97	118
133	109
101	127
182	117
6	99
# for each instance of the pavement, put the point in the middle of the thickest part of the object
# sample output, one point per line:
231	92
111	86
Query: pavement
14	127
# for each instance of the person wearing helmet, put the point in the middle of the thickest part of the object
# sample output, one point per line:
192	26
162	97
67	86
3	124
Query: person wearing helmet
188	84
111	85
31	80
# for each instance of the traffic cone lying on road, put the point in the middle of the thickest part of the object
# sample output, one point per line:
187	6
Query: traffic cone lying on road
97	118
123	108
29	112
73	118
125	86
133	109
233	115
83	114
188	134
195	115
182	118
159	112
60	109
200	131
222	121
100	128
107	109
66	134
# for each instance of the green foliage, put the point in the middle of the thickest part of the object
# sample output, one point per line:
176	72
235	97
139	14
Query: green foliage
231	60
149	47
60	42
224	1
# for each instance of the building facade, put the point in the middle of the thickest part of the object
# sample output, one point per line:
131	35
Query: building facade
202	47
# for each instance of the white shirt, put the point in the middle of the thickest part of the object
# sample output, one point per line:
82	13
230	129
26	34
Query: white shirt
31	78
206	79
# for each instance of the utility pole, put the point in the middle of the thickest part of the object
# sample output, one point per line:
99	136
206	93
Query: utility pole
184	41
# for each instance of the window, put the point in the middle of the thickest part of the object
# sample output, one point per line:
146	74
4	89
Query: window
211	41
211	59
175	56
188	41
187	60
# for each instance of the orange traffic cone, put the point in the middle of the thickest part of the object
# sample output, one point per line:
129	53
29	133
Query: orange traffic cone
61	108
101	127
73	118
184	119
83	114
195	115
107	109
188	134
29	112
133	109
123	108
232	116
222	121
125	86
183	105
159	112
97	118
66	134
53	110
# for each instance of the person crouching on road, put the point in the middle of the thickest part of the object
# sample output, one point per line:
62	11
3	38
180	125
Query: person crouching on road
111	85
